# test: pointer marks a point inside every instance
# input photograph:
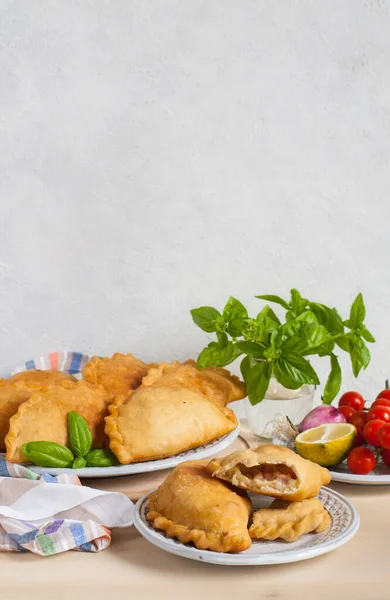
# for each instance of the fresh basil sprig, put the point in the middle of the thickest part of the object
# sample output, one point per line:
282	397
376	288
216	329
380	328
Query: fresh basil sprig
273	348
50	454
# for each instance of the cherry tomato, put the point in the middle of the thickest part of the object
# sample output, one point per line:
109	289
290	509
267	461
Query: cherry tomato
361	460
371	431
379	412
386	457
360	439
359	419
353	399
381	402
347	411
384	393
384	436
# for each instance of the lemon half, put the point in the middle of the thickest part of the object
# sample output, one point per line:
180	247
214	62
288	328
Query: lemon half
326	445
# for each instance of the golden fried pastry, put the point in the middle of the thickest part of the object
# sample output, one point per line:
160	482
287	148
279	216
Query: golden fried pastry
36	379
18	389
273	471
44	416
193	507
156	422
289	520
218	384
118	375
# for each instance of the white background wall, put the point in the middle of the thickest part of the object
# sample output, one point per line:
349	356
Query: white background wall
159	155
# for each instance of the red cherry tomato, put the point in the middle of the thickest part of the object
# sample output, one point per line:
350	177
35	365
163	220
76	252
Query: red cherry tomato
347	411
381	402
361	460
359	419
353	399
360	439
384	393
386	457
371	431
384	436
379	412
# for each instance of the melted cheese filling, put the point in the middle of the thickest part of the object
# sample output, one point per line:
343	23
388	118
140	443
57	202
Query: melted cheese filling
279	477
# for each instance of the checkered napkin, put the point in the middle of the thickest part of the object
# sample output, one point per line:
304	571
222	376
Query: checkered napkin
69	362
47	515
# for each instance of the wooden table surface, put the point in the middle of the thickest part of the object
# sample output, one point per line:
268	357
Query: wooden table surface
133	568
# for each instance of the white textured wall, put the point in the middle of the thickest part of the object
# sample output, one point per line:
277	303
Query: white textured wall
158	155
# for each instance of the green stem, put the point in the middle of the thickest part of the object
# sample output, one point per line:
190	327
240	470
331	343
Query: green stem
387	384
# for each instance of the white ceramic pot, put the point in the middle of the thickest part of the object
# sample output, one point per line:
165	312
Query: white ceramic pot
294	404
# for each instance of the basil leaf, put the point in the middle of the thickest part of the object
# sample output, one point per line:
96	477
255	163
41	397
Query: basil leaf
307	316
294	344
267	319
367	335
245	367
234	309
48	454
80	436
101	458
222	338
295	370
358	311
276	299
360	355
343	342
325	349
297	303
257	381
253	349
218	356
205	317
333	384
79	463
235	327
328	317
315	334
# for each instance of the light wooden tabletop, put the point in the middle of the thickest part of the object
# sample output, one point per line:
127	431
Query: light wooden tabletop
132	568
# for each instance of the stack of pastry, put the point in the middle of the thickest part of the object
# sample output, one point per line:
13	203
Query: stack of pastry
206	503
141	412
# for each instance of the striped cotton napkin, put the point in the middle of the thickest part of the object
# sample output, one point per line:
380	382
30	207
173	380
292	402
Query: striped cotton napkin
47	515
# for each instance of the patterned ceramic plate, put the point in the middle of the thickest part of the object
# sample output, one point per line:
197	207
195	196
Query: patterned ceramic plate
380	475
146	467
345	523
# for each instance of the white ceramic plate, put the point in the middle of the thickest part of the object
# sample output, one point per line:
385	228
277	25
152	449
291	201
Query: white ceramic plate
146	467
380	475
345	523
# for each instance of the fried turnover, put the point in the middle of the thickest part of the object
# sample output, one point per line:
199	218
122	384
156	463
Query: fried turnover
18	389
118	375
157	422
192	506
44	416
36	379
273	471
289	520
218	384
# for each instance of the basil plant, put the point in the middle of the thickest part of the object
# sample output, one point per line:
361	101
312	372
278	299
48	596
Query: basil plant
281	348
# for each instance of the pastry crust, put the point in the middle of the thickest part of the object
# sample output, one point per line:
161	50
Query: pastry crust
118	375
157	422
44	416
289	520
193	507
37	379
217	384
17	389
271	470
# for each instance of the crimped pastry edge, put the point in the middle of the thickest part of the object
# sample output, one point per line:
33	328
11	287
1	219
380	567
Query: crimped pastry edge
203	540
116	441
